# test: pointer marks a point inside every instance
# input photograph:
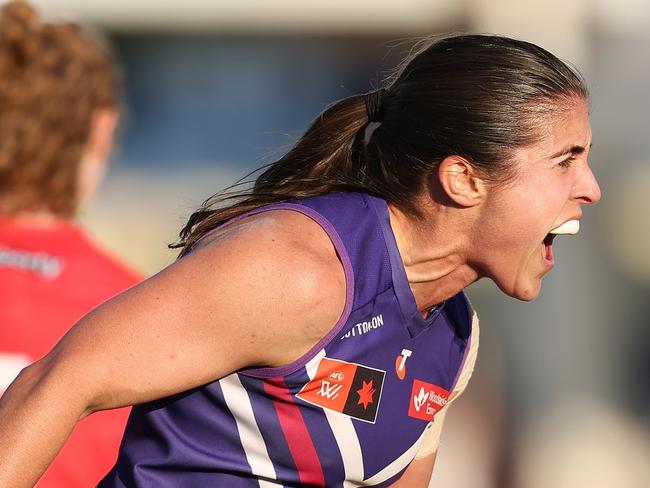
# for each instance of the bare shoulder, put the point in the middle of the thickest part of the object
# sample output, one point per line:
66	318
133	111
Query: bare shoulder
260	293
280	261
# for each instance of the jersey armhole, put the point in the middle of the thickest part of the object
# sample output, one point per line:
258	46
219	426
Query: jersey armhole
336	240
468	362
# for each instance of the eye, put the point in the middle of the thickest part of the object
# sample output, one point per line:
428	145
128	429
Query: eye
567	162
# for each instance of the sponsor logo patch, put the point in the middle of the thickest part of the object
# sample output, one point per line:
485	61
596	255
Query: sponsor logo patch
349	388
400	363
426	400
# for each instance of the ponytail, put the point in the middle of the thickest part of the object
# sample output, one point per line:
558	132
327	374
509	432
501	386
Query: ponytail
333	155
479	97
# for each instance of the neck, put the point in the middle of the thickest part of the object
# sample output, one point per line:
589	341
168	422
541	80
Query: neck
37	219
434	255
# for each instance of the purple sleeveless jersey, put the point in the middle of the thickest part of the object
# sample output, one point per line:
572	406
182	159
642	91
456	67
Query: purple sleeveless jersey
350	412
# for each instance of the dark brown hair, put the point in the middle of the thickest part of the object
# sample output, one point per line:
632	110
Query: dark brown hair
475	96
53	77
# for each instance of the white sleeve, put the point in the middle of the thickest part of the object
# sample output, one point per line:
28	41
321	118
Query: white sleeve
432	436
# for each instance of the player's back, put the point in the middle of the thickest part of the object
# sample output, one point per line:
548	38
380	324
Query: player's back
51	274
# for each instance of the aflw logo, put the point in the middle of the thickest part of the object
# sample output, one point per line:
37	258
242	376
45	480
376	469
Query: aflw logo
328	390
337	376
349	388
426	400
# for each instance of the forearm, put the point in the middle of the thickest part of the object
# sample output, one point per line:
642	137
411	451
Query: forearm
34	423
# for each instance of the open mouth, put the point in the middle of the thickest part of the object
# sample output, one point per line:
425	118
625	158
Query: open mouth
570	227
547	251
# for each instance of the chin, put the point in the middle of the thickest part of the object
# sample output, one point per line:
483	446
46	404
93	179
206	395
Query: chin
526	292
528	296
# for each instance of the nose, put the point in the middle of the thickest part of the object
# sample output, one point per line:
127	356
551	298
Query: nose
586	189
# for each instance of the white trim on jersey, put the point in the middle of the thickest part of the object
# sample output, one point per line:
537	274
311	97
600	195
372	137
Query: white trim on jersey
470	360
432	439
251	438
348	442
344	433
397	465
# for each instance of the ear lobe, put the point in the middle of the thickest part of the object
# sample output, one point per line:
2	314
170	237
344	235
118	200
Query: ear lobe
460	181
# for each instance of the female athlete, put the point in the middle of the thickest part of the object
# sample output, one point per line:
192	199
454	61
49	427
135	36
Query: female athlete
314	330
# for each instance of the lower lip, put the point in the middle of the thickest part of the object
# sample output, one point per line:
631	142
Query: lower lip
547	255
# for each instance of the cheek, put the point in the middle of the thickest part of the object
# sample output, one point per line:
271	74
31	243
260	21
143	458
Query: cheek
522	233
527	219
518	217
540	205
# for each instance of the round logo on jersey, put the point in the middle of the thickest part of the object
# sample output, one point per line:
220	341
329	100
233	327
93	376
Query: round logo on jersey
400	363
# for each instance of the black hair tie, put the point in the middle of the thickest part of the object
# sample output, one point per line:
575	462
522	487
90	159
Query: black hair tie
373	105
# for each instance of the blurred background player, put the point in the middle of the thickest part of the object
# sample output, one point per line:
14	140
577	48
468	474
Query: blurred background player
58	114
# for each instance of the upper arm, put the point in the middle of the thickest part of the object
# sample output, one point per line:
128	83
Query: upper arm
256	296
418	473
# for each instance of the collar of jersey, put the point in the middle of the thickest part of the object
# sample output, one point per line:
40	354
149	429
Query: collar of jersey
415	323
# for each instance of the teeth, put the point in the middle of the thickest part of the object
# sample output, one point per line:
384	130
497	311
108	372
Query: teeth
568	227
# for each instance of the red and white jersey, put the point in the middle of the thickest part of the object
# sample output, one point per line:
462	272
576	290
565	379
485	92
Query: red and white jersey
50	276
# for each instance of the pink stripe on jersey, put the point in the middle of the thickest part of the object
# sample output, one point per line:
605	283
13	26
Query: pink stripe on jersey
295	431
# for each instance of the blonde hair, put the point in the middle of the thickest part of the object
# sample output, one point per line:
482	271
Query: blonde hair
53	77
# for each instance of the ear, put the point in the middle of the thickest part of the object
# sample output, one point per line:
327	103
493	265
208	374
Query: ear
460	181
95	157
102	130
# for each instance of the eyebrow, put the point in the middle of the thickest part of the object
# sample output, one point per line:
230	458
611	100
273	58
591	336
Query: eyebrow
575	149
